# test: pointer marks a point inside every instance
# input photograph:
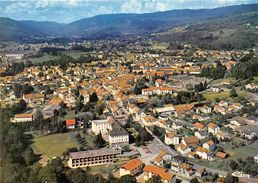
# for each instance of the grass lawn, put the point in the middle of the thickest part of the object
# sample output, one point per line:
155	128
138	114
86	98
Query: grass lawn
221	95
219	165
74	54
243	152
107	169
160	46
219	81
44	58
54	145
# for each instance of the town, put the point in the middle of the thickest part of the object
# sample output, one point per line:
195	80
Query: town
135	111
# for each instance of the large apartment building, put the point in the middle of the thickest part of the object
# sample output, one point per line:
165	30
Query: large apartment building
92	157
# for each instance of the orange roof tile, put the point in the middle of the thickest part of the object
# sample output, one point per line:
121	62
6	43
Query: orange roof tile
221	155
158	171
199	125
212	125
70	122
132	164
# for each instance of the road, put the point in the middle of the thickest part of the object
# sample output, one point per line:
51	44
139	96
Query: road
161	145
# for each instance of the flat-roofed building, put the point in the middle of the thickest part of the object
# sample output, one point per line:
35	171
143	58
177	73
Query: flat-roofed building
92	157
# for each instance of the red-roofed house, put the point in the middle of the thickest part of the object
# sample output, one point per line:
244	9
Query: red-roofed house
70	123
150	171
132	167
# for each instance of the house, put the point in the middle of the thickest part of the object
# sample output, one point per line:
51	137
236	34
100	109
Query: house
49	110
249	134
201	134
221	155
204	153
199	172
190	141
34	99
70	123
25	117
149	120
198	126
166	177
162	157
213	128
183	149
238	121
177	160
210	145
186	170
220	109
182	108
166	110
85	94
177	125
205	109
220	135
56	100
251	86
256	158
132	167
171	138
191	154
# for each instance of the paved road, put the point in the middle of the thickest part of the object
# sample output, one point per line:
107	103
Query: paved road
159	144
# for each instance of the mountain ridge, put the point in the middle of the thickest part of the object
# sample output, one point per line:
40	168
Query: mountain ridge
115	25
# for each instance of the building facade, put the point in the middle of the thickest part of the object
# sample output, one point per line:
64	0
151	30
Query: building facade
92	157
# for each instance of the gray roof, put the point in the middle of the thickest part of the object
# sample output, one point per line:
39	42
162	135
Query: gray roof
117	130
92	153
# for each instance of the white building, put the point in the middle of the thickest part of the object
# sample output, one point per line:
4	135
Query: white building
19	118
102	125
171	138
118	136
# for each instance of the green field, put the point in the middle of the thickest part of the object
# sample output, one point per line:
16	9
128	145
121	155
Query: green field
54	145
243	152
221	95
44	58
107	169
217	164
74	54
219	81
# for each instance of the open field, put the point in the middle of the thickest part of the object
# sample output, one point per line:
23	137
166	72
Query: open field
220	95
44	58
243	152
219	81
54	145
107	169
217	164
74	54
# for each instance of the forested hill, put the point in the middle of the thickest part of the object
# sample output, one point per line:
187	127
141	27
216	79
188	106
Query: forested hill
201	22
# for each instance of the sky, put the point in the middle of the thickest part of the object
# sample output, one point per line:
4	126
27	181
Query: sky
66	11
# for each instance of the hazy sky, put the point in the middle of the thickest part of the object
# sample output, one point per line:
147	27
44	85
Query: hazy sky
70	10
